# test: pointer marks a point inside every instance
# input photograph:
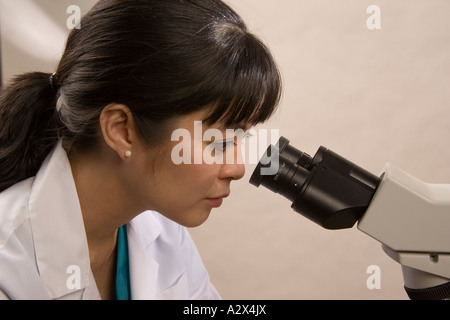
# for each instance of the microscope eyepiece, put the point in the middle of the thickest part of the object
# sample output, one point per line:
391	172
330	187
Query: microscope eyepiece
292	169
326	188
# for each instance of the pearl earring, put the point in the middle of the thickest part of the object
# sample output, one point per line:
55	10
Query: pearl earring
128	154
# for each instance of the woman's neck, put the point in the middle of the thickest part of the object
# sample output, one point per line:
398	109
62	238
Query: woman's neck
104	209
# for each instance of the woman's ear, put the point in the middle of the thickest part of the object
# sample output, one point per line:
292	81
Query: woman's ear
119	129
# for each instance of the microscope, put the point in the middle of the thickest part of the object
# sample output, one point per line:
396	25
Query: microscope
409	217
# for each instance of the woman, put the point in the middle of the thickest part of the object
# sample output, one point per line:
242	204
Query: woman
91	204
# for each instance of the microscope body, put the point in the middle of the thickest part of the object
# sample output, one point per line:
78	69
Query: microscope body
409	217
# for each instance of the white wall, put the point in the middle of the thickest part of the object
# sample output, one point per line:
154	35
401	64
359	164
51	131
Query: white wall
373	96
34	33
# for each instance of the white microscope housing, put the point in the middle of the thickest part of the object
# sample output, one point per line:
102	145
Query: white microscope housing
412	219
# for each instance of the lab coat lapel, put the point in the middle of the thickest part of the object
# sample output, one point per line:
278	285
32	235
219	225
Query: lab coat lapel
143	269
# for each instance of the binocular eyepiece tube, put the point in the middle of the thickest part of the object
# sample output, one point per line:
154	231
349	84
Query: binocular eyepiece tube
326	188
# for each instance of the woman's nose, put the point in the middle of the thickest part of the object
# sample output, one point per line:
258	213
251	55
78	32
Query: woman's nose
235	171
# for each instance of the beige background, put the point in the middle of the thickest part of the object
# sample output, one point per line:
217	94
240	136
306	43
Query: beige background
373	96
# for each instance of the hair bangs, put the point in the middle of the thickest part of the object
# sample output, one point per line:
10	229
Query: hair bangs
251	94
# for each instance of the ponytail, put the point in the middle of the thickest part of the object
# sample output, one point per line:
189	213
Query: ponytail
28	126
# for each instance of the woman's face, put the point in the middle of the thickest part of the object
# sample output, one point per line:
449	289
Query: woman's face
187	177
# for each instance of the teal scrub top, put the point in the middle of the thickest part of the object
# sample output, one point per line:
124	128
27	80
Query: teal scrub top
123	290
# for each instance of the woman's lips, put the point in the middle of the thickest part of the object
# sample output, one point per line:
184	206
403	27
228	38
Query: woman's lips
215	203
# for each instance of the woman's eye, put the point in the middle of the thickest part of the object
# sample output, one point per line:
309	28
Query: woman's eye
227	144
223	145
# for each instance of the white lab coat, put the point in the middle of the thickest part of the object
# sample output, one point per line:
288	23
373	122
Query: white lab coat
44	251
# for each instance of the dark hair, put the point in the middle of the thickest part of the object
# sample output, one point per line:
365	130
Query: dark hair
161	58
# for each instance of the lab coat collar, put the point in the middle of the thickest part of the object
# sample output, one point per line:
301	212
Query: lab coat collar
143	268
61	248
